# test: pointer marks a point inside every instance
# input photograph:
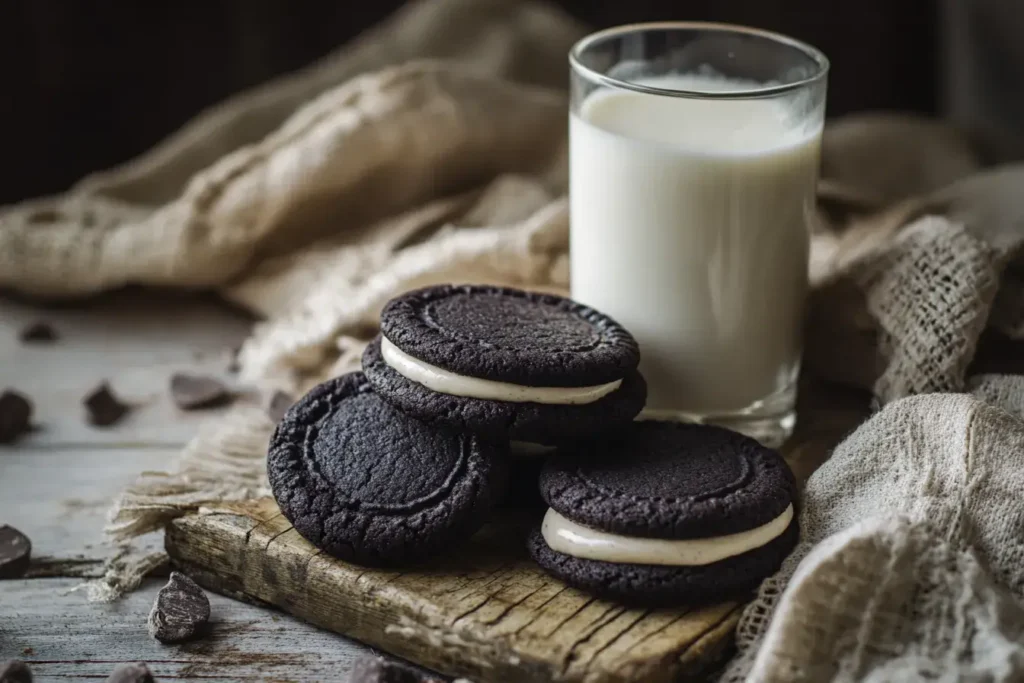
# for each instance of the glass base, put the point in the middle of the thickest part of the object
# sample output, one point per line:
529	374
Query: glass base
771	420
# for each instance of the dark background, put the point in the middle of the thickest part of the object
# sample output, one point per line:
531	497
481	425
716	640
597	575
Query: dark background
89	83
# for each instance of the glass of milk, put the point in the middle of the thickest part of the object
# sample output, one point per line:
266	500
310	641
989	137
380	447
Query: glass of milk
694	152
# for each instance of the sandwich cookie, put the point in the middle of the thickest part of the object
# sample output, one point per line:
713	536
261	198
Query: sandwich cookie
666	514
506	363
370	485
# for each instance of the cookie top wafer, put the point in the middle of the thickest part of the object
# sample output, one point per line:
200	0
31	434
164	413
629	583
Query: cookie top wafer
511	336
669	480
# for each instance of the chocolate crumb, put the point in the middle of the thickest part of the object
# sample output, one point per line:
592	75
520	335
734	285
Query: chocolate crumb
38	332
180	612
15	416
278	405
103	408
131	673
15	671
192	392
15	552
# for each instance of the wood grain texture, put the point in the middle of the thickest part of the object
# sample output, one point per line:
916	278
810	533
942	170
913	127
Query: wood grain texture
60	500
63	637
132	340
57	484
486	612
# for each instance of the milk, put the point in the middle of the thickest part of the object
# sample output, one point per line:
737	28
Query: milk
689	227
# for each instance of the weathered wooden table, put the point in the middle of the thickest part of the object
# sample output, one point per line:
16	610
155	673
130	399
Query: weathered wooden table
56	485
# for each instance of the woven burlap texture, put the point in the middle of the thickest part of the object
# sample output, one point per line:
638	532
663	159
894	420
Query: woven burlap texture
911	559
434	149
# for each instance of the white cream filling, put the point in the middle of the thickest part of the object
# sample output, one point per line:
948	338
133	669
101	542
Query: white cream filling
447	382
570	538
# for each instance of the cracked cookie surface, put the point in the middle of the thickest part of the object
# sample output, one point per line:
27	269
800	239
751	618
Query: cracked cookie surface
509	335
371	485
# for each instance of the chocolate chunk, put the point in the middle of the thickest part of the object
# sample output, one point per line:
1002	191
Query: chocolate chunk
15	552
180	612
279	404
191	392
38	332
15	416
131	673
103	408
15	671
373	669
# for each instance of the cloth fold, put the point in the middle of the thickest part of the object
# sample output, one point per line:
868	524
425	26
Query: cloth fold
433	149
909	565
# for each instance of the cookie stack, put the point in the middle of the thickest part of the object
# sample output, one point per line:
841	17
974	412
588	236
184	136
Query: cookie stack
399	463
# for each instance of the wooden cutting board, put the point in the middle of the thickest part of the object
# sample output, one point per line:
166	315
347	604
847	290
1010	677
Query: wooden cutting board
486	612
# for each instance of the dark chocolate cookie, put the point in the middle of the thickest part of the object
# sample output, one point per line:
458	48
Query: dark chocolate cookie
668	481
649	585
508	335
371	485
521	362
543	423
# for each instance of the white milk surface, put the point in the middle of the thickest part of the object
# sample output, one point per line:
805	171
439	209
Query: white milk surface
689	227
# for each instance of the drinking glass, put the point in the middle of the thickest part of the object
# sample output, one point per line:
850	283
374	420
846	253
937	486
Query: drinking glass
694	153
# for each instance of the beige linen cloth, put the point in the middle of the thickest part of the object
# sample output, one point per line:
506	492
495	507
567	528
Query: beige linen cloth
434	149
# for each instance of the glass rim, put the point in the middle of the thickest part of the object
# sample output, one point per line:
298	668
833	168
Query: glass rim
816	55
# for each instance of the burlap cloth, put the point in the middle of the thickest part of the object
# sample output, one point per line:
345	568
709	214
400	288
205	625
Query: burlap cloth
433	149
